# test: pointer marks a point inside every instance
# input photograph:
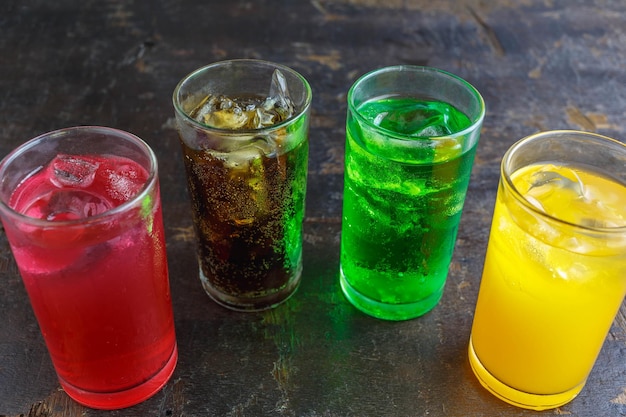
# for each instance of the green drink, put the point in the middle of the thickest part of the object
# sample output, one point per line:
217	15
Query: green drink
408	164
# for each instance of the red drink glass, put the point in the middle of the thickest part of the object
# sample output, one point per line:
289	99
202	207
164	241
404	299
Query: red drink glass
81	210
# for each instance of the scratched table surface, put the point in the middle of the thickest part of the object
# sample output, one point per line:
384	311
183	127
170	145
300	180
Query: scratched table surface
540	65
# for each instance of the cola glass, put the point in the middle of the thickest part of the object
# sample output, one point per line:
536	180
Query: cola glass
243	128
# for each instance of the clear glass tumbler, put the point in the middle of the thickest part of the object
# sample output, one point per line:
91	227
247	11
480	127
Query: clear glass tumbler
82	213
243	128
411	136
555	271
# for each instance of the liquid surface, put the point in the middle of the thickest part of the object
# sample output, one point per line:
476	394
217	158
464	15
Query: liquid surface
573	194
74	187
548	295
100	292
246	111
415	118
400	219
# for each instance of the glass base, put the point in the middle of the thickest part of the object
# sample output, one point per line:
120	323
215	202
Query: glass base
516	397
254	303
127	398
388	311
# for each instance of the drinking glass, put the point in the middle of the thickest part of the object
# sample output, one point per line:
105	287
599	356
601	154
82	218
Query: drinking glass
555	271
243	127
82	213
411	136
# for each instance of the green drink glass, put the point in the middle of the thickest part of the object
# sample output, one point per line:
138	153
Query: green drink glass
411	137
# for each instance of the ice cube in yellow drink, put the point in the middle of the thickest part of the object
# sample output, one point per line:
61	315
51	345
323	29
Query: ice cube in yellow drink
550	289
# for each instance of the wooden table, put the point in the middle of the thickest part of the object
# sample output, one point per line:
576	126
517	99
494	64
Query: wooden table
540	65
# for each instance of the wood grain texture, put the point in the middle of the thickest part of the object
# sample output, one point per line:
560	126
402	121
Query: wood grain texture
539	64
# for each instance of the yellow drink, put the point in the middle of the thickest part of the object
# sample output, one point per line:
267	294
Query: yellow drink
550	288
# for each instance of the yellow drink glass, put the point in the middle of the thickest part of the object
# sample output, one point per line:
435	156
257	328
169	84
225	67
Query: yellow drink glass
555	270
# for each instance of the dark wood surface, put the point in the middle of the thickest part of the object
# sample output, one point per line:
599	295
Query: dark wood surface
540	65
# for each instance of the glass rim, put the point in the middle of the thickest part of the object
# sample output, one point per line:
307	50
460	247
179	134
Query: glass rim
238	132
98	218
506	173
475	122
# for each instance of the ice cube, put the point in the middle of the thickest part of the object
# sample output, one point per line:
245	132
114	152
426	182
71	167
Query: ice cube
231	118
205	106
546	177
279	95
263	117
247	151
415	119
123	182
232	113
430	131
427	123
74	204
72	171
406	122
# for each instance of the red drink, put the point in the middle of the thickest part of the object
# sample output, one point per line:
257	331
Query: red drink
96	273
